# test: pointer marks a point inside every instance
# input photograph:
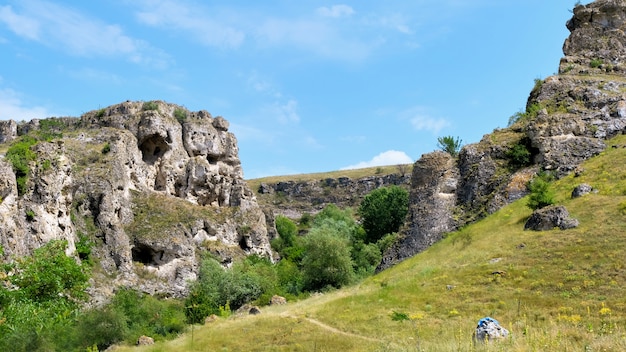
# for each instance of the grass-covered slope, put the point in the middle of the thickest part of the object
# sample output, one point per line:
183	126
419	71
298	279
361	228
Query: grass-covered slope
554	290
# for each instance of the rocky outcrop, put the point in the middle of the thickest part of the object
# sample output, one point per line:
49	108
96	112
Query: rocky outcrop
568	118
432	200
585	103
295	198
8	131
153	186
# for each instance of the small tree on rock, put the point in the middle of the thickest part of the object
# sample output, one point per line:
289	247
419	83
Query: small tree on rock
449	145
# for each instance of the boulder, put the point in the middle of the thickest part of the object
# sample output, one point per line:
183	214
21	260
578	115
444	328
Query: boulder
145	340
550	217
488	329
211	318
581	190
278	300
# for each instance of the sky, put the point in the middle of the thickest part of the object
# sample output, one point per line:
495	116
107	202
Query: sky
307	86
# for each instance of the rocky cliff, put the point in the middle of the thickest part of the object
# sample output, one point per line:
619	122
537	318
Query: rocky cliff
152	185
567	119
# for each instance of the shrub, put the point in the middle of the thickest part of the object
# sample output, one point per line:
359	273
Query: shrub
596	63
150	105
180	114
100	113
449	145
540	193
101	327
50	274
531	112
365	258
383	211
216	287
519	155
107	148
21	155
30	215
83	248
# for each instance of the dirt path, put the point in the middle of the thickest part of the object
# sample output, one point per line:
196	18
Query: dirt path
335	330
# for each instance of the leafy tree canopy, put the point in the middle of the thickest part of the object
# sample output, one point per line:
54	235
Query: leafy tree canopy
383	211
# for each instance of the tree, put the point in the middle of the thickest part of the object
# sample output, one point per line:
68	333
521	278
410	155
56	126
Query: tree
327	261
449	145
540	193
383	211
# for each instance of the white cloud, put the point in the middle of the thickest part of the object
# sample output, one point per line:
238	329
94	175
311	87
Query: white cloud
335	11
396	22
427	123
20	25
421	120
287	112
390	157
206	27
63	27
320	38
12	107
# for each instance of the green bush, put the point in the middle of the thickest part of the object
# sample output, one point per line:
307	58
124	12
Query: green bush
107	148
101	327
449	145
383	211
50	274
540	193
327	260
217	287
100	113
596	63
150	105
519	155
531	113
21	155
180	114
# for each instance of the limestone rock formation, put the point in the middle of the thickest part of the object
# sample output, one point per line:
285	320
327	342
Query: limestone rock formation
151	184
568	118
296	197
432	200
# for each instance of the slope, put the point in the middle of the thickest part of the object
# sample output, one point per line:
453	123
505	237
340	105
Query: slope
554	290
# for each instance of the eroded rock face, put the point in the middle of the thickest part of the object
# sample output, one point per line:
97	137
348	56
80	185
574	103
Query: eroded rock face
432	200
152	191
585	104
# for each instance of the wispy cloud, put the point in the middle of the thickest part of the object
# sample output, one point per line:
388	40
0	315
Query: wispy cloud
21	25
13	108
63	27
335	11
427	123
206	26
286	112
421	120
323	39
390	157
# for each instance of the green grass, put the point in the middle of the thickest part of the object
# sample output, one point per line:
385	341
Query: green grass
556	291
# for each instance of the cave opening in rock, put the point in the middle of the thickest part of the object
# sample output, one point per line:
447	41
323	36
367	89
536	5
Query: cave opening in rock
243	243
153	148
146	255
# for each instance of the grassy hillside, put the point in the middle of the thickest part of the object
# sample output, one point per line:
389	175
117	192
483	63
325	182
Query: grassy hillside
554	290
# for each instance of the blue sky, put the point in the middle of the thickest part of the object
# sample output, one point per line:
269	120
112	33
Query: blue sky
307	85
